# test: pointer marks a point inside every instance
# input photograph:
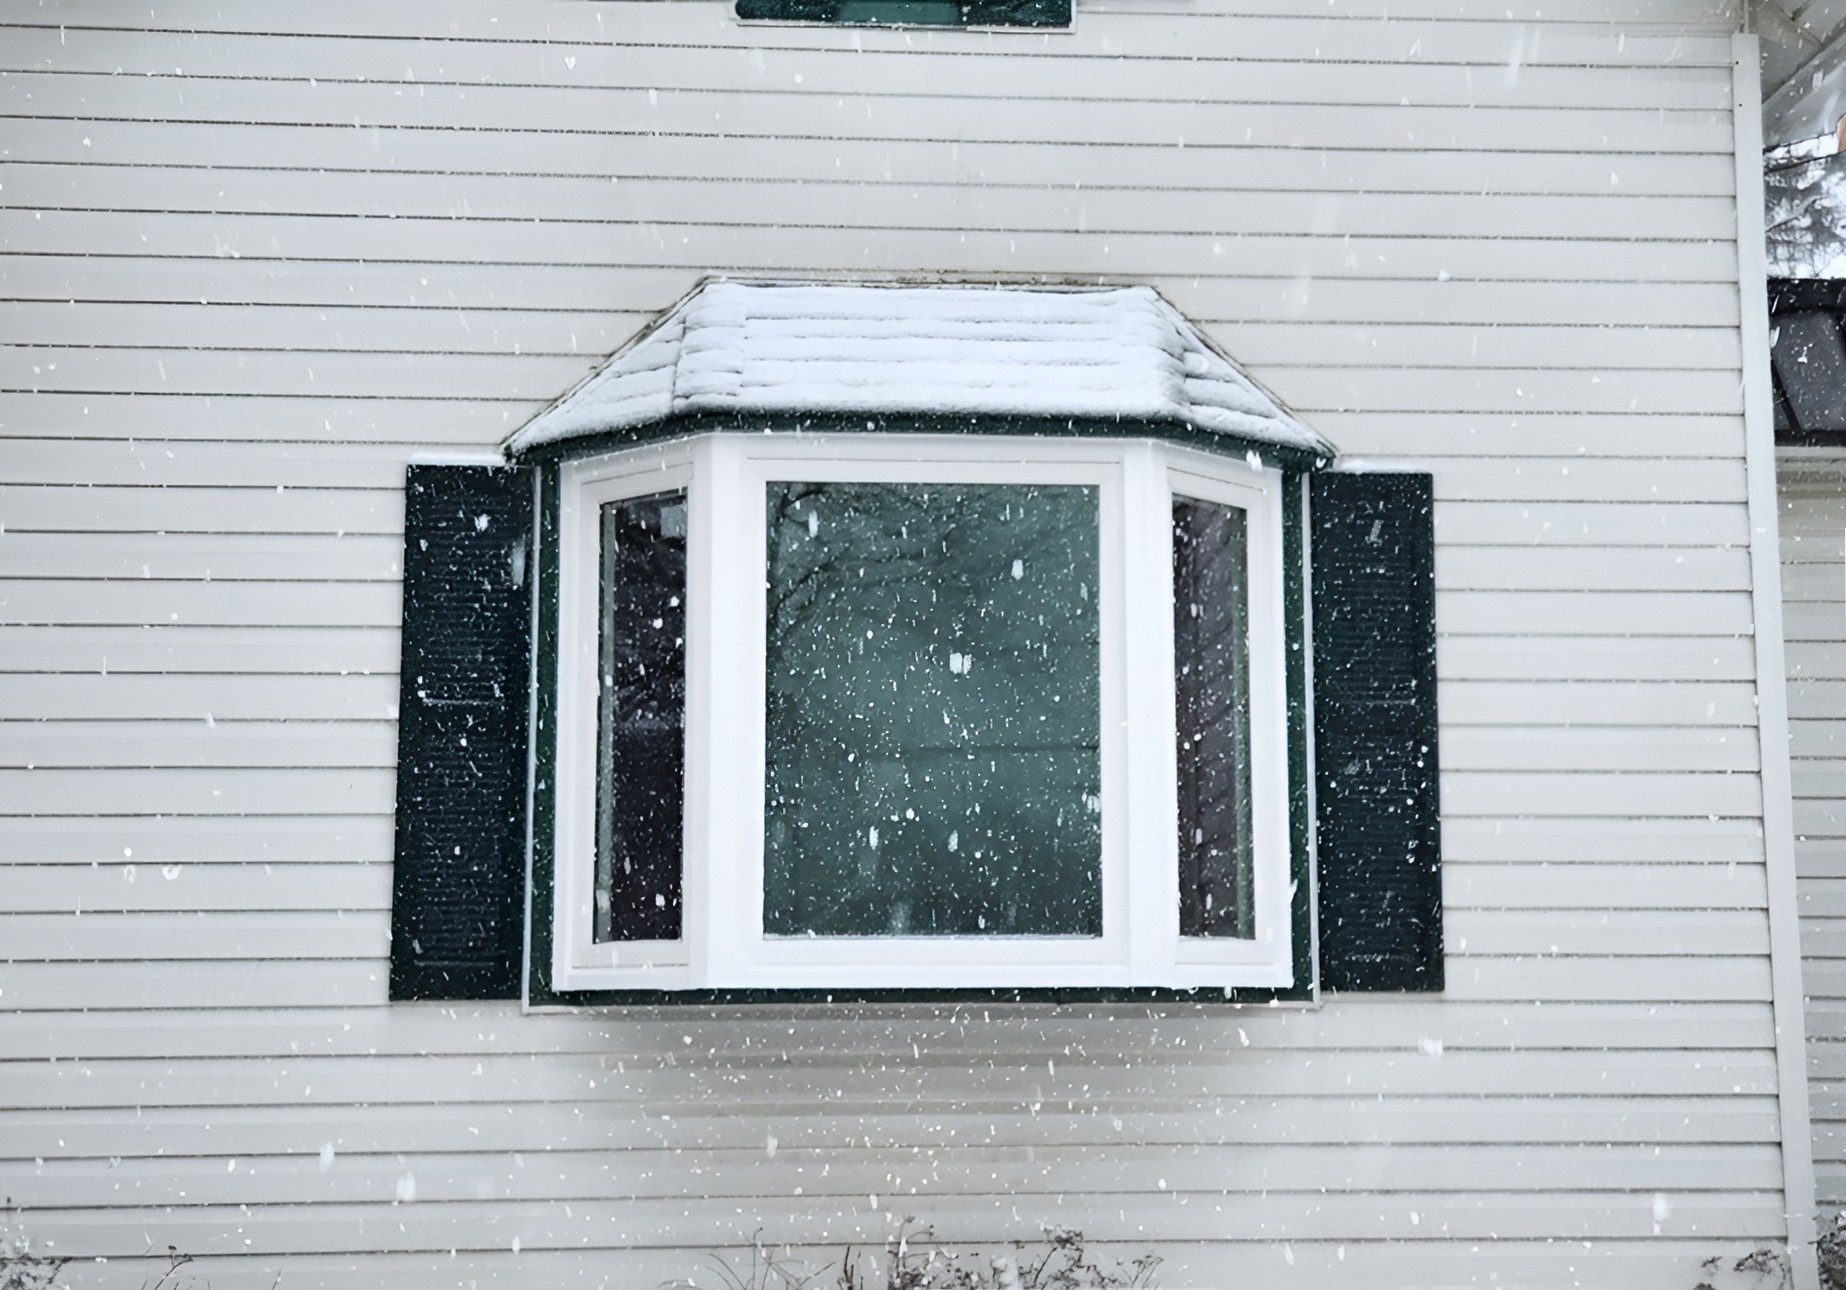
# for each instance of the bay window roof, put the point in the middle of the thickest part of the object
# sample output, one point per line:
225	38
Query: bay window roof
1105	353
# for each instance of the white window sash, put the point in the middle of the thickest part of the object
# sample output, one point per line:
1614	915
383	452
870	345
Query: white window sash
723	946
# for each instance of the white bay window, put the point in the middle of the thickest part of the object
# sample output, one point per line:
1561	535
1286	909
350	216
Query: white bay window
893	711
893	639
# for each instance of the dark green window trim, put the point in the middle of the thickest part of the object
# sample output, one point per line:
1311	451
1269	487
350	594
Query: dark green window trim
681	427
1039	14
540	993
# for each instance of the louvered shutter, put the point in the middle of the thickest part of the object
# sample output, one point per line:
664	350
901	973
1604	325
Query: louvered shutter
457	904
1376	800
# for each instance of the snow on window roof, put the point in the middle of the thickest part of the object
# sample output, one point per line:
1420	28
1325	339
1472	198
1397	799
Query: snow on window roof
1117	353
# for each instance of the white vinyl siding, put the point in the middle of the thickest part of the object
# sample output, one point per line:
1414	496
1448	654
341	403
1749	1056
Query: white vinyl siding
1813	533
257	256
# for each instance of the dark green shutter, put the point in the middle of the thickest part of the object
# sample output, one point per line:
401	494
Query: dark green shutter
1377	815
457	898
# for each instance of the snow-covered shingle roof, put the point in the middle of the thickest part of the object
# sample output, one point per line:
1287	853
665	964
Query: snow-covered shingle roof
1120	353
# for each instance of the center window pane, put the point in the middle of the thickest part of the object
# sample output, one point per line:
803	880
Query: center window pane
933	711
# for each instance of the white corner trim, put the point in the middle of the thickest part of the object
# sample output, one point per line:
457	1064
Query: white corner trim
1771	670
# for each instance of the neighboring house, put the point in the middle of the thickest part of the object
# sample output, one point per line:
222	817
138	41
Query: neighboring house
1022	334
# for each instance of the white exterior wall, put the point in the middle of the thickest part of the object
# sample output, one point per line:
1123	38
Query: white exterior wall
1813	528
259	255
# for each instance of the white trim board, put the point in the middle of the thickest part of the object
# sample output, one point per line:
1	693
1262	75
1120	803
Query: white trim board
1771	673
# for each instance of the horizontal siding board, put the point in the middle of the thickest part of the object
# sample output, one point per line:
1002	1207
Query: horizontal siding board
1814	582
301	838
348	465
1822	859
1578	32
1824	700
1823	978
1816	738
745	1173
1822	896
1543	613
1595	658
175	886
546	264
1819	780
190	790
1824	938
1537	479
1593	842
1603	886
371	1126
527	378
273	651
795	111
45	458
247	557
770	1081
1525	568
336	329
1502	793
1363	389
1570	748
1596	703
190	745
1688	979
398	151
481	200
1813	621
430	424
131	509
1817	661
282	983
1448	434
323	981
75	603
1031	1034
1046	72
196	937
978	1218
196	696
1570	523
504	378
1634	932
1235	277
1642	1263
430	330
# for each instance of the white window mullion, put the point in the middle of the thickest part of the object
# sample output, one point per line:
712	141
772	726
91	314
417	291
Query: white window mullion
732	804
703	669
1269	742
574	728
1147	726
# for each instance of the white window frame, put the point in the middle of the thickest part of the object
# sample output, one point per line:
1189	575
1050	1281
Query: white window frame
722	944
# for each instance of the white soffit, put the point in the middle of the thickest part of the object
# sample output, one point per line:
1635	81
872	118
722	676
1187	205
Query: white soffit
1111	353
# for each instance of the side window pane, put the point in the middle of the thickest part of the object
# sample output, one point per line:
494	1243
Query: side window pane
1211	655
933	711
641	720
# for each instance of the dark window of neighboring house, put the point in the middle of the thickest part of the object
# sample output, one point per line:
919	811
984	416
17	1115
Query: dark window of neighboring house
912	13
